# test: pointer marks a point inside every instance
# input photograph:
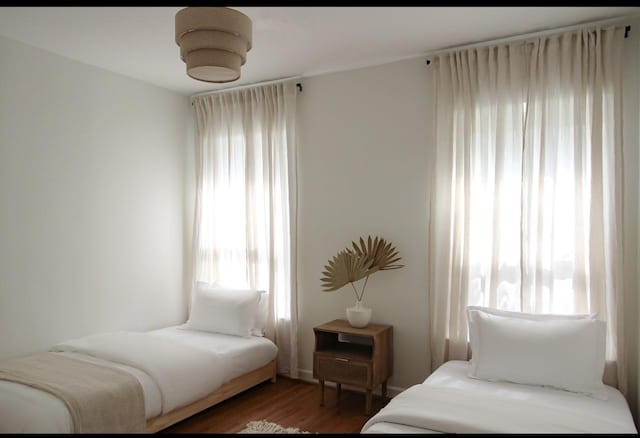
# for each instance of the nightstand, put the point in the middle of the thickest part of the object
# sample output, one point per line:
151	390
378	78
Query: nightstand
360	357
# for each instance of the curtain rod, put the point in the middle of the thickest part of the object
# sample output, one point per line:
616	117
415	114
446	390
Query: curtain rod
532	35
252	85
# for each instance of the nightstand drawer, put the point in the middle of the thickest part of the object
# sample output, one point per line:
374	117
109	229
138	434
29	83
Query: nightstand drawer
342	370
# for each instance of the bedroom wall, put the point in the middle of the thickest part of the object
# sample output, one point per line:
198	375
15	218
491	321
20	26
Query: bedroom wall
361	171
91	201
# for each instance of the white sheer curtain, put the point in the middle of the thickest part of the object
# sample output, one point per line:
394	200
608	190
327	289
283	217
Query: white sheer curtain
526	201
573	168
475	213
245	216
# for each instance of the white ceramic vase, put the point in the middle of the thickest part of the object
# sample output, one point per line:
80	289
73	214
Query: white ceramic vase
358	315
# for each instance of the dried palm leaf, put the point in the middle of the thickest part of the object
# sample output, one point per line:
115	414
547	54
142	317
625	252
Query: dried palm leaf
345	267
349	266
379	254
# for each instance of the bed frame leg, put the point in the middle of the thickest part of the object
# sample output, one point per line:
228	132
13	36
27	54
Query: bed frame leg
273	379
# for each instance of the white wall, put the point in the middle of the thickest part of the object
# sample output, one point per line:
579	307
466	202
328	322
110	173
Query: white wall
91	201
361	171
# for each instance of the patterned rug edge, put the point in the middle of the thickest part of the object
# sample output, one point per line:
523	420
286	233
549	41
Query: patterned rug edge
263	426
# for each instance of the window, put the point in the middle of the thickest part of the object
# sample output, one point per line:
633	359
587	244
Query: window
551	196
236	239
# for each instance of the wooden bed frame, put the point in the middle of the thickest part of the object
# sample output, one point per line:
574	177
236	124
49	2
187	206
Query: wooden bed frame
227	390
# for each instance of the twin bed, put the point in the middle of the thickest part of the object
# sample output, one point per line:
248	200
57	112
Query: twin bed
180	371
142	381
528	373
449	401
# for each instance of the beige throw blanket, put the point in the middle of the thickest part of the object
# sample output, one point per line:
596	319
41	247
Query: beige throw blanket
100	399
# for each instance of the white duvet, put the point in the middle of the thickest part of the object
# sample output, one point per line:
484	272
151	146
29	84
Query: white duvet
450	402
182	372
174	366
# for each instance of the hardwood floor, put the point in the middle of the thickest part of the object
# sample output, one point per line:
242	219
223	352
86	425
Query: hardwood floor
288	402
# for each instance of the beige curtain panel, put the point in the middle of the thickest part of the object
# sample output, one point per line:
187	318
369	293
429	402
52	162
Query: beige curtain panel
245	218
526	203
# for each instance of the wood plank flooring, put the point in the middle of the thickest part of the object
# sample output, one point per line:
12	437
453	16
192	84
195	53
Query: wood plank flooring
288	402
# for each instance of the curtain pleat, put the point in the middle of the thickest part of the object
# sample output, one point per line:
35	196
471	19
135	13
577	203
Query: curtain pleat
474	227
573	144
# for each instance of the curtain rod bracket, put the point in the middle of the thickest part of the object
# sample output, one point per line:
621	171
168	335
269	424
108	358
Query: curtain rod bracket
299	85
627	29
428	61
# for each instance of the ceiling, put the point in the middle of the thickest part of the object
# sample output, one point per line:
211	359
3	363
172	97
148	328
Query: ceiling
287	41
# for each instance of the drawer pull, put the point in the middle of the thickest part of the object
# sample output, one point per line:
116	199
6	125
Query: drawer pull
341	359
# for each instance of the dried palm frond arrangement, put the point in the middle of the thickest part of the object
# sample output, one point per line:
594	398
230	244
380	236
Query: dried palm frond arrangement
351	265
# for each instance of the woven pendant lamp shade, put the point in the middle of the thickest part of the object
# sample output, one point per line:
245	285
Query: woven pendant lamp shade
213	41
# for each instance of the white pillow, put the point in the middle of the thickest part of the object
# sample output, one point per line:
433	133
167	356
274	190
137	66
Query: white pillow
567	354
474	310
221	310
262	310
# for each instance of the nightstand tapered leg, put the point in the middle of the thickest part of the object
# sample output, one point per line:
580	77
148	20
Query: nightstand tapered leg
321	392
367	408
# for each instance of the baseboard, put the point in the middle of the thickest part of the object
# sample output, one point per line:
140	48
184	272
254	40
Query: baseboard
307	376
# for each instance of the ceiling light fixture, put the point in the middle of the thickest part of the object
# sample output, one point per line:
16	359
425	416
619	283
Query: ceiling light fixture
213	41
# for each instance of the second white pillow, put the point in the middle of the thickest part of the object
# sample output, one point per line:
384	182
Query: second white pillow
565	354
472	311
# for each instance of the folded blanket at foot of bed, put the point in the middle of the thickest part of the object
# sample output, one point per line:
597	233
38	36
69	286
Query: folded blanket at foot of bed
99	399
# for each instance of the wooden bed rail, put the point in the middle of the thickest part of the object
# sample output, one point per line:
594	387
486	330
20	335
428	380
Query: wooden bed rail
227	390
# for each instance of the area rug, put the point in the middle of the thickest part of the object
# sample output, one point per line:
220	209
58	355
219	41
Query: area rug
269	427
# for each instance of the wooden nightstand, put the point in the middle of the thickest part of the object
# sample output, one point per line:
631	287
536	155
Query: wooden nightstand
355	356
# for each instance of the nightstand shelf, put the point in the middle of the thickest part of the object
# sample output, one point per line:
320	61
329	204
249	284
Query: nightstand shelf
361	357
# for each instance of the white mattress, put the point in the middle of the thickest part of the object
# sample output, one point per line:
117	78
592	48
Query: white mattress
453	374
24	409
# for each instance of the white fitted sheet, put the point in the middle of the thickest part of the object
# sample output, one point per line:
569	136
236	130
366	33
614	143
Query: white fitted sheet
453	374
24	409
